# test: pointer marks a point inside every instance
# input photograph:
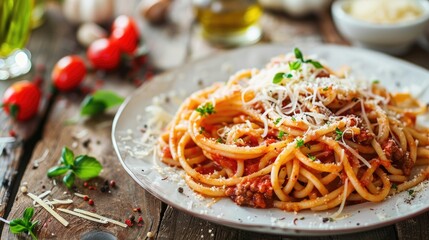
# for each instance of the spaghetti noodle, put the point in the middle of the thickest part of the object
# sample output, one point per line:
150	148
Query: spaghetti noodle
297	135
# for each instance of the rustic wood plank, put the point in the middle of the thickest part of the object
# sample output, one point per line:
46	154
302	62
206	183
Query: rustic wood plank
90	137
44	53
417	226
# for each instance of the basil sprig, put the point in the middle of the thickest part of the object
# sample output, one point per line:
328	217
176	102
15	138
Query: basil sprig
83	167
98	102
24	224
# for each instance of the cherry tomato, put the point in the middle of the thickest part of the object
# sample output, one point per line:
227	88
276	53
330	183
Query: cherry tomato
125	34
21	100
104	54
68	73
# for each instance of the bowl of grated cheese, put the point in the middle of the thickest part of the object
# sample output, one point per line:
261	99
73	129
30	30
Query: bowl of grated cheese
390	26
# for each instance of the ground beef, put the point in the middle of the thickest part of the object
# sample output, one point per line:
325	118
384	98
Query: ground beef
255	192
364	137
398	157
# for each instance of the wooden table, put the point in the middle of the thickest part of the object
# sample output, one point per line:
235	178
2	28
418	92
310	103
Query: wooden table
56	126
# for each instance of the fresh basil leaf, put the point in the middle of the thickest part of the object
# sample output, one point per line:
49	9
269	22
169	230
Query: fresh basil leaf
28	214
87	167
289	75
57	171
17	226
298	54
68	179
92	107
294	65
109	98
67	157
278	77
315	64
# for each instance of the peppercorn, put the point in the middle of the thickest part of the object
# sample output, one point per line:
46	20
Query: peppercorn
128	222
91	202
132	218
112	183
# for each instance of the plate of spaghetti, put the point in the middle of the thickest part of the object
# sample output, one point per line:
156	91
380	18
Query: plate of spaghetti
300	141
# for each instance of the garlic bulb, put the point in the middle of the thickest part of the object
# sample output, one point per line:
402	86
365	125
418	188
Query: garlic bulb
89	32
98	11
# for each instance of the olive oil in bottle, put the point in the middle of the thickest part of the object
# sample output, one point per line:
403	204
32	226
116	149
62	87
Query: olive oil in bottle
229	22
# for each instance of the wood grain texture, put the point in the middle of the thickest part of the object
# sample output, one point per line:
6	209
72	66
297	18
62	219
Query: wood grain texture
414	228
91	137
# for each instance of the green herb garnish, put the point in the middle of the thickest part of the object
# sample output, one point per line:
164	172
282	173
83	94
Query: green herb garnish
202	129
206	109
24	224
219	140
339	134
300	59
98	102
312	158
295	65
293	119
83	167
281	134
277	121
299	142
280	76
411	192
394	186
325	88
376	81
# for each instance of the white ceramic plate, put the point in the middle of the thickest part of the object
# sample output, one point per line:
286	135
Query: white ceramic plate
163	181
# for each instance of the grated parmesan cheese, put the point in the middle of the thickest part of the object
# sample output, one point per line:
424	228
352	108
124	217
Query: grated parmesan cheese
50	210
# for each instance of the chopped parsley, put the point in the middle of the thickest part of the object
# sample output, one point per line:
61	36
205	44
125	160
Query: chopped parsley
299	142
312	158
219	140
376	81
277	121
206	109
202	129
394	186
411	192
281	134
293	119
339	134
325	88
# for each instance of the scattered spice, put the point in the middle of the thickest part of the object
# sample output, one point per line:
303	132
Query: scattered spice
132	218
140	220
86	143
180	190
327	220
129	223
112	183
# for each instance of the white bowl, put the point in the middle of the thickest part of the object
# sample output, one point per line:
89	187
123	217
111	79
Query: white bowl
395	38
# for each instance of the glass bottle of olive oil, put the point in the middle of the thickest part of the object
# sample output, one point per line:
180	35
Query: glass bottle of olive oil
14	24
15	18
229	22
